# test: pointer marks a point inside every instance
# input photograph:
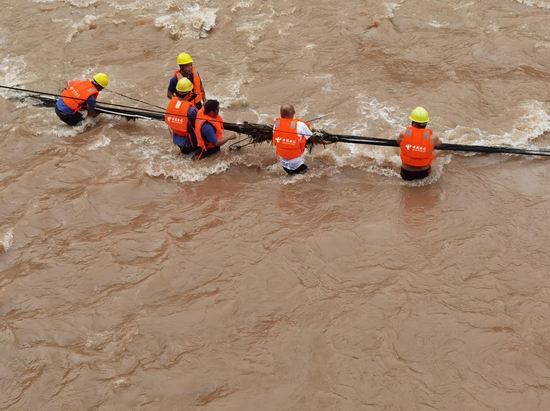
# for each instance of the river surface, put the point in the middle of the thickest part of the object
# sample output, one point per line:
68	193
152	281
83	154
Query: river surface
133	278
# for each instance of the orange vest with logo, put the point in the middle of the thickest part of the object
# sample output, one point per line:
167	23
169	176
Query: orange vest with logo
176	116
77	92
196	84
285	137
202	119
416	147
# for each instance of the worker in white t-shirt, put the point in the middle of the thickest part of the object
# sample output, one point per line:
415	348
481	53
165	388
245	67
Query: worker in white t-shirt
290	136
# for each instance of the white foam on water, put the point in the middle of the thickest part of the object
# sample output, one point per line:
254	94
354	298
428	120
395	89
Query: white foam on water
231	94
255	26
63	130
81	26
76	3
136	5
185	169
532	122
121	382
327	84
241	5
390	8
542	4
370	109
463	5
103	141
6	239
82	3
542	44
263	118
13	71
191	20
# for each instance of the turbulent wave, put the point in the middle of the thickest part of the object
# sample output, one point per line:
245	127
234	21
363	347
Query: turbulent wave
193	21
533	121
103	141
13	70
86	23
6	239
186	169
75	3
543	4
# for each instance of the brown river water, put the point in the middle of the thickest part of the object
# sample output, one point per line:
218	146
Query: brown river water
132	278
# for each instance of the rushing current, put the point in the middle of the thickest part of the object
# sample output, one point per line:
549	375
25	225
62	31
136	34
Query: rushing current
133	278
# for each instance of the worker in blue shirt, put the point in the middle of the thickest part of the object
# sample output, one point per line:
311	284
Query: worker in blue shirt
209	129
80	95
180	117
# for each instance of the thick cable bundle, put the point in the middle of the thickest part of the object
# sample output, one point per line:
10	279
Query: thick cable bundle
259	133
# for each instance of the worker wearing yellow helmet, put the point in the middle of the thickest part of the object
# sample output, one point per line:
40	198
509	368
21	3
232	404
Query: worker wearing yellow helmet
187	70
181	115
80	95
417	144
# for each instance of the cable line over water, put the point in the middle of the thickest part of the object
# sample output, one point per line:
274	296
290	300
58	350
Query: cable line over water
259	133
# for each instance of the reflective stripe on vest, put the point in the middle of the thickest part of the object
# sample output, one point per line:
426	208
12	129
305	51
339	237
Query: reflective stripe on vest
176	116
196	84
289	144
202	119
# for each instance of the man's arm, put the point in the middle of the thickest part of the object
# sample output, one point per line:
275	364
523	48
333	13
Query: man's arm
304	131
436	142
191	118
90	105
400	138
203	94
224	140
208	133
172	87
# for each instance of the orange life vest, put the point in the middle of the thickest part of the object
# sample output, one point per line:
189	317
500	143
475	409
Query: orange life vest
285	137
196	84
416	147
77	92
176	116
202	119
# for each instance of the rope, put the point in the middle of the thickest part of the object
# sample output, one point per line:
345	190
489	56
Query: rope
135	99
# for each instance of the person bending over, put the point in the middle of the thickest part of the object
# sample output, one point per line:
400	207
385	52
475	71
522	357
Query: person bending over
80	95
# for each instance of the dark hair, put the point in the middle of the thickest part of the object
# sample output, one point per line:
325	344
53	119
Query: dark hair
211	105
419	125
186	94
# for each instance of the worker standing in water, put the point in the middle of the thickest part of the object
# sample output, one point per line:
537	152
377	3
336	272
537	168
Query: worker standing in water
417	145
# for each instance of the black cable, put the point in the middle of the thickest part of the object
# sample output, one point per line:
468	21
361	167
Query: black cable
57	96
261	132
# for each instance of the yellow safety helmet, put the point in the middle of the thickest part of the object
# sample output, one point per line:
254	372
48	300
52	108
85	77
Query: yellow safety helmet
184	85
419	115
102	79
184	58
